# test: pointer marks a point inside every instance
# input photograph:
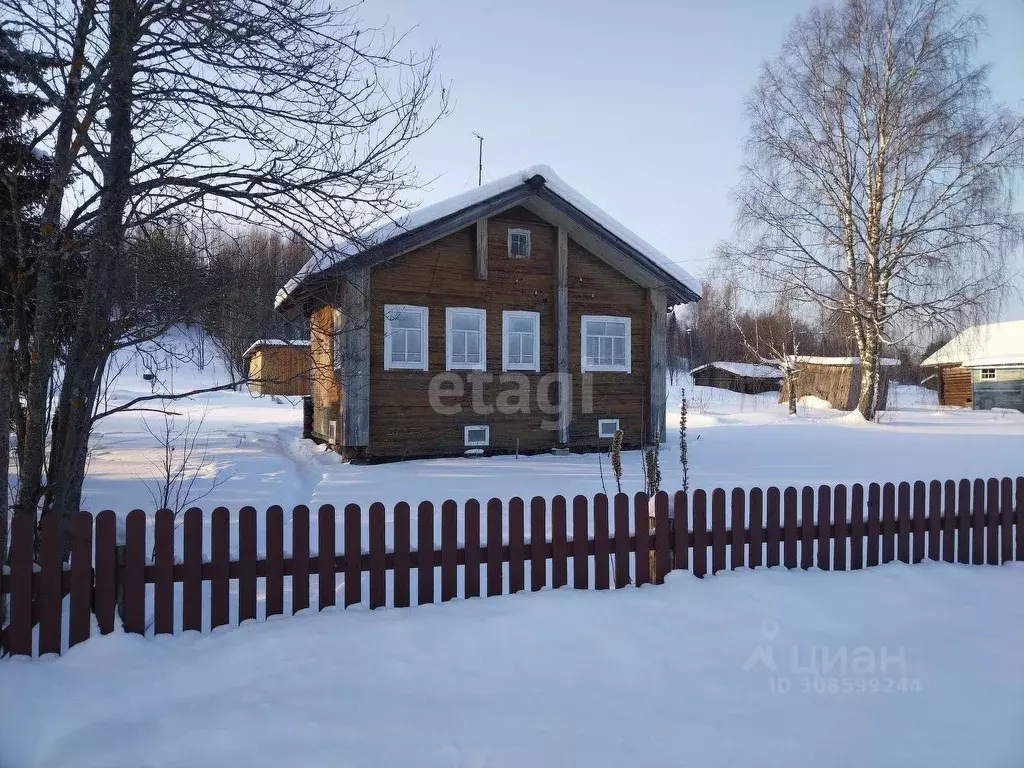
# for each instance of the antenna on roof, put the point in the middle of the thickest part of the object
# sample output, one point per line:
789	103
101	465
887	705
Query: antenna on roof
480	161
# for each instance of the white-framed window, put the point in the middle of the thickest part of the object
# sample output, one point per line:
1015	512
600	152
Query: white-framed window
605	343
520	340
466	335
477	436
607	427
988	374
519	243
405	337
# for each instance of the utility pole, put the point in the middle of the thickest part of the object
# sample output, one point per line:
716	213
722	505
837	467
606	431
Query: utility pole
480	159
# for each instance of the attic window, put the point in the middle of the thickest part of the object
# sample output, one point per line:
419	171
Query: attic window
988	374
519	243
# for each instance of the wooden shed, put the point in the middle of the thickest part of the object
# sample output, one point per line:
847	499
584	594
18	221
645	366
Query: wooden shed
748	378
837	380
1000	344
279	367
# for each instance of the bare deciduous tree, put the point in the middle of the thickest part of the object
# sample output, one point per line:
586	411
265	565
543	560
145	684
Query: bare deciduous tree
195	114
878	177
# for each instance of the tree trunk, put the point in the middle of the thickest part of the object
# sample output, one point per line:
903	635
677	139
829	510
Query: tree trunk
791	390
868	401
6	403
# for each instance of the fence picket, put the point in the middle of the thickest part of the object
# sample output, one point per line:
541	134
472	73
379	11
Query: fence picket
326	585
621	534
888	523
220	556
789	534
602	547
662	534
81	579
756	517
472	544
274	540
403	549
49	597
352	540
192	566
105	588
718	526
538	538
376	545
494	537
839	516
903	523
992	522
738	515
978	523
681	539
449	551
1019	514
134	588
919	522
700	533
806	528
580	541
1006	519
163	566
516	545
19	627
642	539
773	527
949	524
300	558
824	520
857	527
935	520
963	517
425	553
246	563
559	545
874	536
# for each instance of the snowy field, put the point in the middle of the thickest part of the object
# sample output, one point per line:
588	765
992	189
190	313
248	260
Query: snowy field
892	666
255	451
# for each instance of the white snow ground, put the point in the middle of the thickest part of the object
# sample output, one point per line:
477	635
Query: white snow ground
892	666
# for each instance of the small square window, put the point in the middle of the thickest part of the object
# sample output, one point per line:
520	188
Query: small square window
607	428
478	436
519	243
988	374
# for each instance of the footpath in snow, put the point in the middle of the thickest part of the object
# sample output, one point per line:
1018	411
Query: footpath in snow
891	666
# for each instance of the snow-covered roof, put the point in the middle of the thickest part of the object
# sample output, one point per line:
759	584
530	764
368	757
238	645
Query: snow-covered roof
427	214
750	370
995	361
275	343
982	341
883	361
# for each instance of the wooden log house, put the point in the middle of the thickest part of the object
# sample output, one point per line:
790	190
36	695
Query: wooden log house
520	281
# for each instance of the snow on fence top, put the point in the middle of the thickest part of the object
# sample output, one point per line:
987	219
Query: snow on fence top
995	340
811	360
427	214
749	370
275	343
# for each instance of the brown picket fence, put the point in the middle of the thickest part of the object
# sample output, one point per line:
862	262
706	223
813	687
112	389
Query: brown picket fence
830	528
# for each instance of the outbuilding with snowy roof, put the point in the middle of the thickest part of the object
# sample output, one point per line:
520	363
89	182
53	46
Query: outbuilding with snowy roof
982	367
517	316
747	378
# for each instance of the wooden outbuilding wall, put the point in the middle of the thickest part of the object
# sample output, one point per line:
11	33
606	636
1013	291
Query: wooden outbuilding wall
278	369
839	384
710	376
955	386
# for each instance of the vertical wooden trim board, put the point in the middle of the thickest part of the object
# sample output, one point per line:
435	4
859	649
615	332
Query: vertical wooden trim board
562	334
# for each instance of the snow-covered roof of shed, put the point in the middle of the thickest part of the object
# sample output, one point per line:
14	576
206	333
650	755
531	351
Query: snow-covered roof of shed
274	343
427	214
886	362
995	361
981	341
749	370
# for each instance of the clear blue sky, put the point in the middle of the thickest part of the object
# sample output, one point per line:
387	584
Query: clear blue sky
638	105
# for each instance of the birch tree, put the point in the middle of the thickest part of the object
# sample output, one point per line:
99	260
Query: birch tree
879	174
194	114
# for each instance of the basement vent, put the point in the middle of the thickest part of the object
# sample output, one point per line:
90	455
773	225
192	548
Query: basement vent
607	427
478	436
332	432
